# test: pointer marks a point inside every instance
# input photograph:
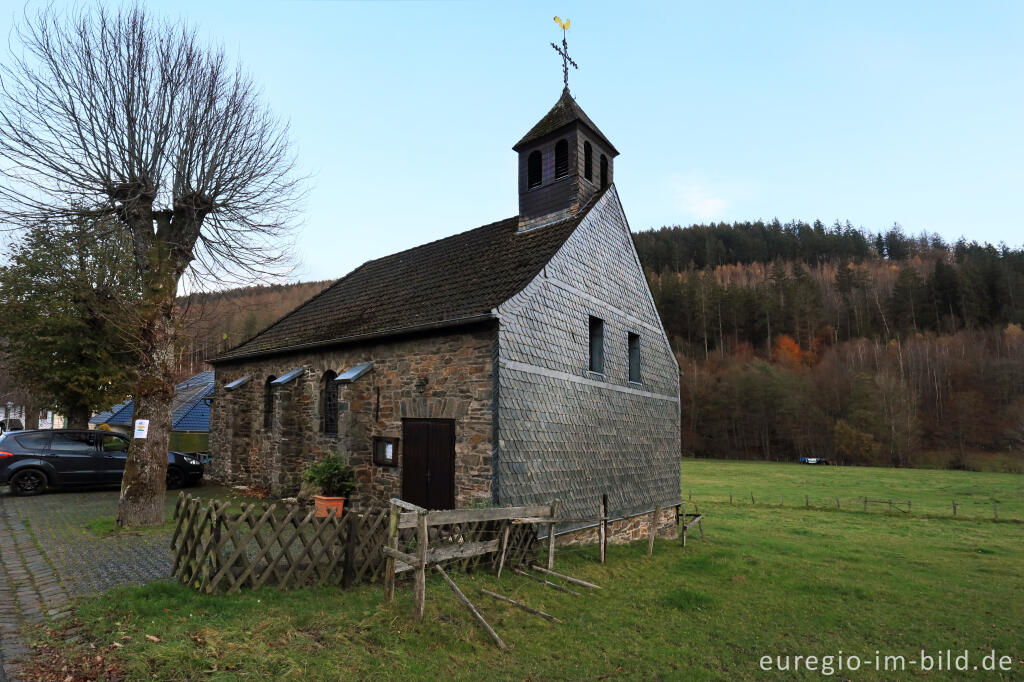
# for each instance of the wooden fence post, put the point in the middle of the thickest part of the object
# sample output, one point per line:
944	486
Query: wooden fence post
389	566
551	534
807	502
604	527
730	498
351	542
752	498
504	546
954	507
653	530
837	503
700	524
682	523
421	562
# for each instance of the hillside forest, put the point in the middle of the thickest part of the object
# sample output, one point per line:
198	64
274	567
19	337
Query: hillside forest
802	340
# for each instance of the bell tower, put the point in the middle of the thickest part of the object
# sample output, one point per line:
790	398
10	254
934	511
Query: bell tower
564	160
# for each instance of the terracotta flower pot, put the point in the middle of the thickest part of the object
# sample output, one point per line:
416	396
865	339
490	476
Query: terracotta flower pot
325	504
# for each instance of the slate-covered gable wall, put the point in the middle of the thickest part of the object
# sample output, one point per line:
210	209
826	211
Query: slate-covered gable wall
564	432
440	376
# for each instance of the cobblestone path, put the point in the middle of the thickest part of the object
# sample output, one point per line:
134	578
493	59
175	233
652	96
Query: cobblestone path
47	557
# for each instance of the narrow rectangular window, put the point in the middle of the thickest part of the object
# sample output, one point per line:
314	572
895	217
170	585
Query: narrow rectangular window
597	345
634	358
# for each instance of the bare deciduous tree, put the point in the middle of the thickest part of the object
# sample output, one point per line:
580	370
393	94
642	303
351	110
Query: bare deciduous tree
115	113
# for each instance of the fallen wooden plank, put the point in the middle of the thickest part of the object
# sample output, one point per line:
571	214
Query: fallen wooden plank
401	556
545	582
577	581
408	506
472	609
445	553
466	549
445	516
524	607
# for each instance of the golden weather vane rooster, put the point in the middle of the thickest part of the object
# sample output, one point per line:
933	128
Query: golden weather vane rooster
564	51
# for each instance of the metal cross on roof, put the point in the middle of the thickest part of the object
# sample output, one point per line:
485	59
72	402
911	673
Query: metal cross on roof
564	51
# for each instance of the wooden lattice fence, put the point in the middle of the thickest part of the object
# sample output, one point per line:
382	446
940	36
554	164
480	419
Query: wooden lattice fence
281	546
285	546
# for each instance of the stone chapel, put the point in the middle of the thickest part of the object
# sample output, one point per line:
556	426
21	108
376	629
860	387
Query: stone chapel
512	364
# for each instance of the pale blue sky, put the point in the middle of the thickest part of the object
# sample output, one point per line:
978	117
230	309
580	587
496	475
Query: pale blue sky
405	112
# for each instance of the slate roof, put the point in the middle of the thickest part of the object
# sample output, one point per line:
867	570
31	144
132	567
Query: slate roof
189	412
565	111
449	281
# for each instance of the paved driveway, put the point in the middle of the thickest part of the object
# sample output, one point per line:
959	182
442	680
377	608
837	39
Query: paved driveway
47	556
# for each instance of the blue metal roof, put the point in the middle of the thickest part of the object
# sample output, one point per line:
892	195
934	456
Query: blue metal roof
289	376
353	373
237	383
189	411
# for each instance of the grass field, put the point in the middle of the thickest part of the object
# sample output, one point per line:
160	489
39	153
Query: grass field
769	580
932	491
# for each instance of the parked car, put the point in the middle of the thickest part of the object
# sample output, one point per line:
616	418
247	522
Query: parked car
813	460
32	461
10	424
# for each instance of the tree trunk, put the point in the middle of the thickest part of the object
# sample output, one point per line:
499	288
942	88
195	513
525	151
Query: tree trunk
77	418
144	484
31	414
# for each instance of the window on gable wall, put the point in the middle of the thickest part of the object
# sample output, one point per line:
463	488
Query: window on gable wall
329	403
533	170
596	345
634	358
268	402
561	158
604	171
588	161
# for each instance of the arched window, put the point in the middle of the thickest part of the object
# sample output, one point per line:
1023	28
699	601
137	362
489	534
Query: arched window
588	161
329	403
268	402
533	176
604	171
561	158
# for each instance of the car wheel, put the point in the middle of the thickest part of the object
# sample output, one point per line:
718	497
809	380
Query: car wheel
175	479
28	482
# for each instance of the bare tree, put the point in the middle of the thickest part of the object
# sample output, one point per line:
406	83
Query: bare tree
115	113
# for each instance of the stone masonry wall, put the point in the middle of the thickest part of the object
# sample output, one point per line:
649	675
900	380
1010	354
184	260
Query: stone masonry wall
623	530
440	376
567	433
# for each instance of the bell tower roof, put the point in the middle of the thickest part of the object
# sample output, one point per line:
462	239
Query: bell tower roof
565	112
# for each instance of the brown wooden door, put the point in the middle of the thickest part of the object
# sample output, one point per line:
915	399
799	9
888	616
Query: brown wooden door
428	463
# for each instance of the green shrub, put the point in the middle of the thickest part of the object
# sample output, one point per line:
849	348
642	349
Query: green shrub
334	476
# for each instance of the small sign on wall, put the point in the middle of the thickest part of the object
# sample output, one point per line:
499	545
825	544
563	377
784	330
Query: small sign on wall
141	428
385	451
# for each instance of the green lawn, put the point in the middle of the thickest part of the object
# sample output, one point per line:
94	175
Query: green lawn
932	491
769	580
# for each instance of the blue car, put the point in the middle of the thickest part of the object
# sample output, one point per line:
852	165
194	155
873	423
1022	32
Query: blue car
32	461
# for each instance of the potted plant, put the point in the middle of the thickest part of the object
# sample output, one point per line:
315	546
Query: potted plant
336	480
